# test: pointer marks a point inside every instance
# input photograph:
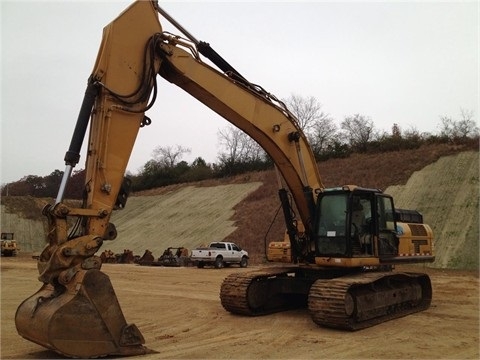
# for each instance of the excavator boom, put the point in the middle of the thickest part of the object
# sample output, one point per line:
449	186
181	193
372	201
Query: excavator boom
76	312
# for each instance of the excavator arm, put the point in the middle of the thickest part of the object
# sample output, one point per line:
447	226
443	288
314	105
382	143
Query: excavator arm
256	112
76	296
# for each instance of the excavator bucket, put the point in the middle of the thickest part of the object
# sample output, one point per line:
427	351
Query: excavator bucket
82	319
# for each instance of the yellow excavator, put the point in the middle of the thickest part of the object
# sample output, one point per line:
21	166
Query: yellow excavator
342	260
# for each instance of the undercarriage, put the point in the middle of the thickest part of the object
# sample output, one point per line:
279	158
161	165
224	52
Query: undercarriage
343	298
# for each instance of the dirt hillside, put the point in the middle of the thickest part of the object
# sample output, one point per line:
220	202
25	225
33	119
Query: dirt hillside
440	181
22	216
446	193
188	217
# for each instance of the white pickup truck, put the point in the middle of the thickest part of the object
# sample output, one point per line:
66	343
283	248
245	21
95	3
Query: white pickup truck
220	254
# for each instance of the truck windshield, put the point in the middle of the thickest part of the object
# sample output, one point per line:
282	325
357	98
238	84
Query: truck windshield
331	224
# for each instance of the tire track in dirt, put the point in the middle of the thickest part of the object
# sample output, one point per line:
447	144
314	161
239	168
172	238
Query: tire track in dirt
190	323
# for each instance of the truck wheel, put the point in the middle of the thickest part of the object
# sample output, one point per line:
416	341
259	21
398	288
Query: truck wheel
218	262
244	262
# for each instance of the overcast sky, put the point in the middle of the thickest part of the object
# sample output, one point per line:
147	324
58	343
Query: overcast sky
396	62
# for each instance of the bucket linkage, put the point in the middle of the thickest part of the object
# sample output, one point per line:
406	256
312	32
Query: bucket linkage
76	312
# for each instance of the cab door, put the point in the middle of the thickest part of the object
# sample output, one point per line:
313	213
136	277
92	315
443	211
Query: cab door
387	240
236	252
228	256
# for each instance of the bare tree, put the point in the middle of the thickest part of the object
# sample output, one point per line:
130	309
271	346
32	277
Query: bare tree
169	156
359	130
238	146
447	127
412	133
324	134
467	126
459	129
396	131
317	125
307	110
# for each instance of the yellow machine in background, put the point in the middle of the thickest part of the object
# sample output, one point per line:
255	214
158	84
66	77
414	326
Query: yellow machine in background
8	244
342	259
281	251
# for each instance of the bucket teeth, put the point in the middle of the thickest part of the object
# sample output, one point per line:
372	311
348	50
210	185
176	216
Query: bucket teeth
84	320
131	336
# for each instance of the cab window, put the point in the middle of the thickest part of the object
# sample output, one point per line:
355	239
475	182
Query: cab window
331	224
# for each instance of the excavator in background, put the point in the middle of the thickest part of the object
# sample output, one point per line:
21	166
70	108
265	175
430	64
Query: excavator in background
342	261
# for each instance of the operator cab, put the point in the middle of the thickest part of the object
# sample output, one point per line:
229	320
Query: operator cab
354	223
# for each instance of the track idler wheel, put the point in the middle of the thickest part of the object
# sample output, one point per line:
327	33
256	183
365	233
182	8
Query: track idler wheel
80	319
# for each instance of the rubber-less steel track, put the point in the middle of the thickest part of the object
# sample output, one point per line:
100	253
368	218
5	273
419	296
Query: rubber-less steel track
350	302
358	301
263	292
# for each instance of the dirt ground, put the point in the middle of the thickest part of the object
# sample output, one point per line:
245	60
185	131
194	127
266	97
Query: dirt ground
179	313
